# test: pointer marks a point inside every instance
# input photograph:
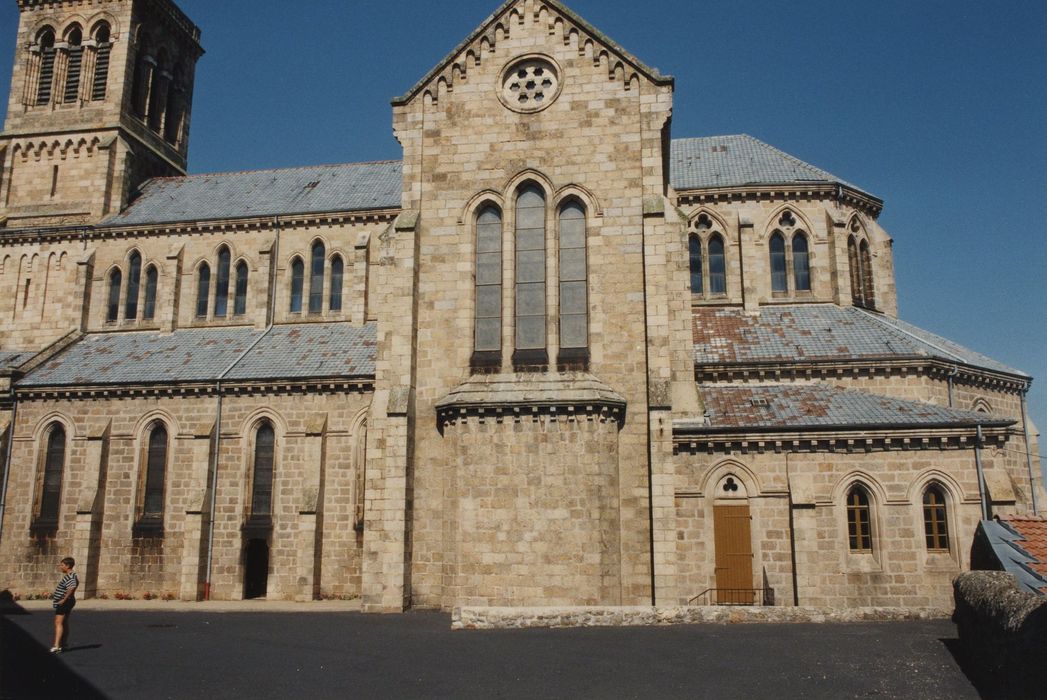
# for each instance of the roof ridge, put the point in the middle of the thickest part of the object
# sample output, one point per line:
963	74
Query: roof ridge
915	337
315	166
794	159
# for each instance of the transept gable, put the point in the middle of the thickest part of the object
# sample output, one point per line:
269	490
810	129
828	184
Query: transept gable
562	25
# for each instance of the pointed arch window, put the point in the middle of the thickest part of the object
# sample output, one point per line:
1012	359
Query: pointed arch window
221	292
46	42
297	282
334	302
240	298
113	307
51	486
144	68
74	38
152	276
857	291
530	278
316	278
717	266
175	108
801	263
859	520
779	269
262	478
574	274
155	474
868	297
695	249
103	51
134	280
935	520
203	290
158	91
487	323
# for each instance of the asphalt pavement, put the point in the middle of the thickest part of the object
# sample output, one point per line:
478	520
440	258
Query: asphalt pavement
198	655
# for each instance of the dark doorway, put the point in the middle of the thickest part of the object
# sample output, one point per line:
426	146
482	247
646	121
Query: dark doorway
256	569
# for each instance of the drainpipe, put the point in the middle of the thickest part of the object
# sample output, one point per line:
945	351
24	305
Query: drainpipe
981	474
1028	458
270	320
7	464
952	375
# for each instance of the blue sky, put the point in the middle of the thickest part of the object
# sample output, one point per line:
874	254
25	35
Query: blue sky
938	106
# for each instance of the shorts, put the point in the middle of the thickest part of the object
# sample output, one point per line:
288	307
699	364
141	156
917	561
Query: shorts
65	608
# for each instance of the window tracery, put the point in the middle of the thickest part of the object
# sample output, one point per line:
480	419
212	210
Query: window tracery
708	259
790	258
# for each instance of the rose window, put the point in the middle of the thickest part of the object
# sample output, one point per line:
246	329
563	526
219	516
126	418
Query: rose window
530	85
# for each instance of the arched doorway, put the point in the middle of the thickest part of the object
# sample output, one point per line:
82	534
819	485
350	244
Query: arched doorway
734	548
256	569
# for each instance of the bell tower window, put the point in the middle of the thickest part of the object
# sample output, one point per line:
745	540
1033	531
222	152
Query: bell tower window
46	44
74	39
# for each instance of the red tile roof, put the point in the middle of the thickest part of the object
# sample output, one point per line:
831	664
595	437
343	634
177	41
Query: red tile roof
1033	530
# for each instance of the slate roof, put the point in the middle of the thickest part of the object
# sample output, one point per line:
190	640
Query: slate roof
1033	532
209	354
821	332
821	406
259	193
1010	548
13	358
738	160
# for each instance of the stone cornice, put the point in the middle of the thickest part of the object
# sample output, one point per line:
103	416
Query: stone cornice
802	191
268	387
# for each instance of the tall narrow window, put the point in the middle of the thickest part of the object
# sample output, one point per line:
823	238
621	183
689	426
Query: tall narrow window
935	522
859	523
334	303
574	273
152	276
134	279
54	466
867	275
144	67
158	91
487	327
297	281
46	40
262	483
801	263
156	468
74	65
316	278
530	277
717	266
103	50
203	290
113	308
779	270
857	293
221	291
173	121
695	245
240	300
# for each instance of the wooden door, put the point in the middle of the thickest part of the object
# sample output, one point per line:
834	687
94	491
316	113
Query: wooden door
734	554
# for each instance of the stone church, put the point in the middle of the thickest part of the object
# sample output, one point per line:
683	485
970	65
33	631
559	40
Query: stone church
555	355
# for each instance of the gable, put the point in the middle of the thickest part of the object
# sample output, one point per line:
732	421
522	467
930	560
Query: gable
562	23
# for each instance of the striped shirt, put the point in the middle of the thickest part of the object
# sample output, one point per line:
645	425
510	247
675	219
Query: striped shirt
68	582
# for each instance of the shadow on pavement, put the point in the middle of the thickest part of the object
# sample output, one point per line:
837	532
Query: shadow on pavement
29	670
988	687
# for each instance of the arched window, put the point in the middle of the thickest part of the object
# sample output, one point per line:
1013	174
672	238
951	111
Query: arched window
316	278
867	275
859	521
74	64
935	521
175	102
337	272
530	276
779	269
262	481
240	300
46	41
801	263
487	327
156	469
158	91
857	293
221	291
134	279
717	266
574	273
297	281
54	466
152	276
144	68
113	308
103	50
203	290
695	246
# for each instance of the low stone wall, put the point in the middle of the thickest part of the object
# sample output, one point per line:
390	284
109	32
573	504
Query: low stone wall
1003	631
520	618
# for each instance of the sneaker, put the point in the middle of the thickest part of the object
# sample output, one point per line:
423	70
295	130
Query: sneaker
56	650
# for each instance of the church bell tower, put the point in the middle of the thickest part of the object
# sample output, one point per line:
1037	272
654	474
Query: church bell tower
101	96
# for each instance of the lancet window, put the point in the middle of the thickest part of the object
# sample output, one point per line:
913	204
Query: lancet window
790	258
708	259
